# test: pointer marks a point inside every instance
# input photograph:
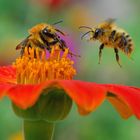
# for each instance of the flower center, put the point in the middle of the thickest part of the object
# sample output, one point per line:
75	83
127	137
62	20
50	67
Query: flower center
35	66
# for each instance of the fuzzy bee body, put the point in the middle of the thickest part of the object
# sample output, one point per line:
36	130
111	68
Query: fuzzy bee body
120	40
43	36
111	36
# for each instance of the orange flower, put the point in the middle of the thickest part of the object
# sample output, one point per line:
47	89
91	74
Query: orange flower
34	72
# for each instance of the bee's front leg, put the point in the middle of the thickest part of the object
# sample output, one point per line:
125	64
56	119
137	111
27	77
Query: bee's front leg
100	52
63	45
52	43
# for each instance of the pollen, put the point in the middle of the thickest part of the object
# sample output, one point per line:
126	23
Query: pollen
35	66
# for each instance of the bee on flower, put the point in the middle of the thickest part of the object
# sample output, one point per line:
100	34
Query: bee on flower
110	35
44	36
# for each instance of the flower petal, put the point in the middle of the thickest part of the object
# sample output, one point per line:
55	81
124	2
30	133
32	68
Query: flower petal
4	88
88	96
7	74
121	106
127	100
25	96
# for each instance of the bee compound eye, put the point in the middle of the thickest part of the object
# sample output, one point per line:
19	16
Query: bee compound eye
97	33
45	31
97	30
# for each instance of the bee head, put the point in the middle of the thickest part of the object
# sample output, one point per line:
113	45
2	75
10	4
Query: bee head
47	30
37	28
52	30
98	33
94	33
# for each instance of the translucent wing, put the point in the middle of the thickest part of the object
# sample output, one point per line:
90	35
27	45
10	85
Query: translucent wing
108	23
22	44
110	20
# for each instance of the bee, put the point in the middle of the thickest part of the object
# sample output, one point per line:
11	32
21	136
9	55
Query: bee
110	35
44	36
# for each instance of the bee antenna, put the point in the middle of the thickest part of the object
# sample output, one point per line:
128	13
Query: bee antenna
85	27
72	54
85	34
57	22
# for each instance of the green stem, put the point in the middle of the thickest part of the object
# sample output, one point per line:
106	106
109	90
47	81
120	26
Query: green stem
38	130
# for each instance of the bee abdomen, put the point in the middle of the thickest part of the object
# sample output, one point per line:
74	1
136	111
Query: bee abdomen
126	44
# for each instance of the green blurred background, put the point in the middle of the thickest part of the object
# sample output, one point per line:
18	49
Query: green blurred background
17	16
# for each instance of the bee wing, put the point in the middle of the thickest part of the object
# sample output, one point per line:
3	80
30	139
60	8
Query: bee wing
23	43
110	20
108	23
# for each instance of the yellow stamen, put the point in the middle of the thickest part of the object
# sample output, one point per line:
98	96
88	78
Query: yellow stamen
34	66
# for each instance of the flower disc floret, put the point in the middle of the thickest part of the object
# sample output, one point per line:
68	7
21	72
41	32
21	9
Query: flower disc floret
35	67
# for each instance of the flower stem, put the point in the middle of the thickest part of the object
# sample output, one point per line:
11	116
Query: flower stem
38	130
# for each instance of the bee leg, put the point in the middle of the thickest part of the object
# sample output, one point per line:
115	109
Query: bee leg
117	56
64	46
100	52
53	42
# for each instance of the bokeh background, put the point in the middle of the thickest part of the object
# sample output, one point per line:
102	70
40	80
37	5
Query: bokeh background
17	16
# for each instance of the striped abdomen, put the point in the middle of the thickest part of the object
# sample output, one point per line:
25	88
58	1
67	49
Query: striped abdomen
122	41
125	43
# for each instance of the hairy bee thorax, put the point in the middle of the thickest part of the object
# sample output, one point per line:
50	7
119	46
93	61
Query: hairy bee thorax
36	66
37	28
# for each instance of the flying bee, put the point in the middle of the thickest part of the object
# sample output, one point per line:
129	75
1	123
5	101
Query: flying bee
44	36
111	36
